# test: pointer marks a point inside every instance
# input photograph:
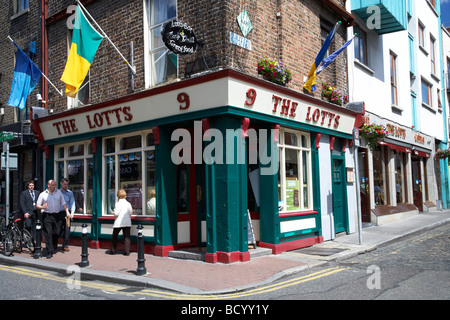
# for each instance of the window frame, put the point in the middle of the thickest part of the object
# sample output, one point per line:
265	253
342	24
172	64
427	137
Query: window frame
143	149
152	51
362	46
429	95
282	147
394	79
65	159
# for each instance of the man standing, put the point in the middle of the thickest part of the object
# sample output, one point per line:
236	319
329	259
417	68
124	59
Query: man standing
70	201
51	201
27	202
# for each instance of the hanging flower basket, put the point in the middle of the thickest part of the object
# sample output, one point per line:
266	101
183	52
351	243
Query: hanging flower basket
373	134
442	153
274	71
333	94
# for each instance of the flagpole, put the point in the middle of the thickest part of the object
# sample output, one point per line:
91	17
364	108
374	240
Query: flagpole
133	69
60	92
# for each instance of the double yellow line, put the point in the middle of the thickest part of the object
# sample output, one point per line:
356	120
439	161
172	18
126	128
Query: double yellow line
179	296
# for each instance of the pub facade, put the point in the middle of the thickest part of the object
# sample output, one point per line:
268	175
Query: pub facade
207	150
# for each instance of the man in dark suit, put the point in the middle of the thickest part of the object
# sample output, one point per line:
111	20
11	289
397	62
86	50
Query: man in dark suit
28	200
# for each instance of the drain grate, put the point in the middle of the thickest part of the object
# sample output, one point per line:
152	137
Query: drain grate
319	251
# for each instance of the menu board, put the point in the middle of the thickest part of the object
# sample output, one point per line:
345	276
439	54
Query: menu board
292	194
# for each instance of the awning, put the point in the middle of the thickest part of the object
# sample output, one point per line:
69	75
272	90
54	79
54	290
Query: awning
396	147
422	154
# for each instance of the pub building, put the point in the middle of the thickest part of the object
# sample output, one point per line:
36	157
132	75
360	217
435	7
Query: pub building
401	177
196	157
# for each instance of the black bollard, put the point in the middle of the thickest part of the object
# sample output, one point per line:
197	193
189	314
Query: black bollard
141	270
84	250
38	247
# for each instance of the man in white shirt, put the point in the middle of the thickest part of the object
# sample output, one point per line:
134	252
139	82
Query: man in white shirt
50	201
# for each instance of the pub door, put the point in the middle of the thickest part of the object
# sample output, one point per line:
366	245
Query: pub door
417	182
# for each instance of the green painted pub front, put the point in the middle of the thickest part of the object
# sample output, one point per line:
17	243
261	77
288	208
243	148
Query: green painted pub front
197	157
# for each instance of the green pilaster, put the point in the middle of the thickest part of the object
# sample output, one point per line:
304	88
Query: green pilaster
226	186
165	175
97	195
268	188
50	166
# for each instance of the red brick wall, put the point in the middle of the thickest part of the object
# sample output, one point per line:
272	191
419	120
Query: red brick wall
294	38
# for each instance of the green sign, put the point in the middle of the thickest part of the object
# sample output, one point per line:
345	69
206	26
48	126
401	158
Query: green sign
245	23
6	136
292	196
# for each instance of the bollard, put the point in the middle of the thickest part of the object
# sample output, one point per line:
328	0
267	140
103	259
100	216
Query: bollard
84	250
141	270
38	247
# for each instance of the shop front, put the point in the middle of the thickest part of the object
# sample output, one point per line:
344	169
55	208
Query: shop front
205	162
398	178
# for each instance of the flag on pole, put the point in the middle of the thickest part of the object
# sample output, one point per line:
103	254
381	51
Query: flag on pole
310	84
330	59
85	42
26	76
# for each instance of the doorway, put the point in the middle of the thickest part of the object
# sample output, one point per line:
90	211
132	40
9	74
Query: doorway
364	191
417	182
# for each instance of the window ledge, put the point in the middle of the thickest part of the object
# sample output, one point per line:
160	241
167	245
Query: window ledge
423	50
397	108
435	77
20	14
364	67
426	106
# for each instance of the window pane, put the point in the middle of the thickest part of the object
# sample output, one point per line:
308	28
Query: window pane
150	140
151	192
162	10
378	179
164	66
110	184
399	177
110	145
182	189
130	142
156	38
292	182
305	165
60	170
131	179
77	150
425	98
290	139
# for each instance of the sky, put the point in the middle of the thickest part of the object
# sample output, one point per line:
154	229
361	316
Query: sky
445	12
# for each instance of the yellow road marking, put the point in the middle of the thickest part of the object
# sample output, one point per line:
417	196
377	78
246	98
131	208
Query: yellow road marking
179	296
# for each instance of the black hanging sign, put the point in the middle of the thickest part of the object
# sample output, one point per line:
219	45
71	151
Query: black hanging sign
179	37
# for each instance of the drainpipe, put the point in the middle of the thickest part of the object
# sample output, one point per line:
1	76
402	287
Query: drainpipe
44	44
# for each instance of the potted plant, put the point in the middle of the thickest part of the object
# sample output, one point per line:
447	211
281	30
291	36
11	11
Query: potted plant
373	134
274	71
333	94
442	153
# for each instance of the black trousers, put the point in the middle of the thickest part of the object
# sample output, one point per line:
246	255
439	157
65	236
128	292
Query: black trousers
52	229
126	234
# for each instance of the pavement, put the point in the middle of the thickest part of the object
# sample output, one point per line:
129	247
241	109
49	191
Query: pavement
197	277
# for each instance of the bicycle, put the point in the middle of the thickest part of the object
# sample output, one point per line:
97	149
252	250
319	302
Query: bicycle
7	238
17	237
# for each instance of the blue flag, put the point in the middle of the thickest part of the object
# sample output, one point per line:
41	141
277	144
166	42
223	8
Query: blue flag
26	76
330	59
310	84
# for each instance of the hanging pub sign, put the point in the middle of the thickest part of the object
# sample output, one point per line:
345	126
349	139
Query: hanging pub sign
179	37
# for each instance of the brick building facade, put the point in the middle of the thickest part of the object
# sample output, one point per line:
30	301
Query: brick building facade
119	131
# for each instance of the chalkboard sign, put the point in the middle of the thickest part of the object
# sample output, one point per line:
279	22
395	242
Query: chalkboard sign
179	37
251	234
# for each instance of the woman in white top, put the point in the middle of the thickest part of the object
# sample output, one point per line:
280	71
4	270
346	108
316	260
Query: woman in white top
122	211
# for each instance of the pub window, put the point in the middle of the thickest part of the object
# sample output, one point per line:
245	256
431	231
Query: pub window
379	177
163	63
75	162
129	164
294	177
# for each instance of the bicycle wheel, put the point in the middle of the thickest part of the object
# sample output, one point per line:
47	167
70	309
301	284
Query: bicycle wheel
17	240
8	243
28	240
